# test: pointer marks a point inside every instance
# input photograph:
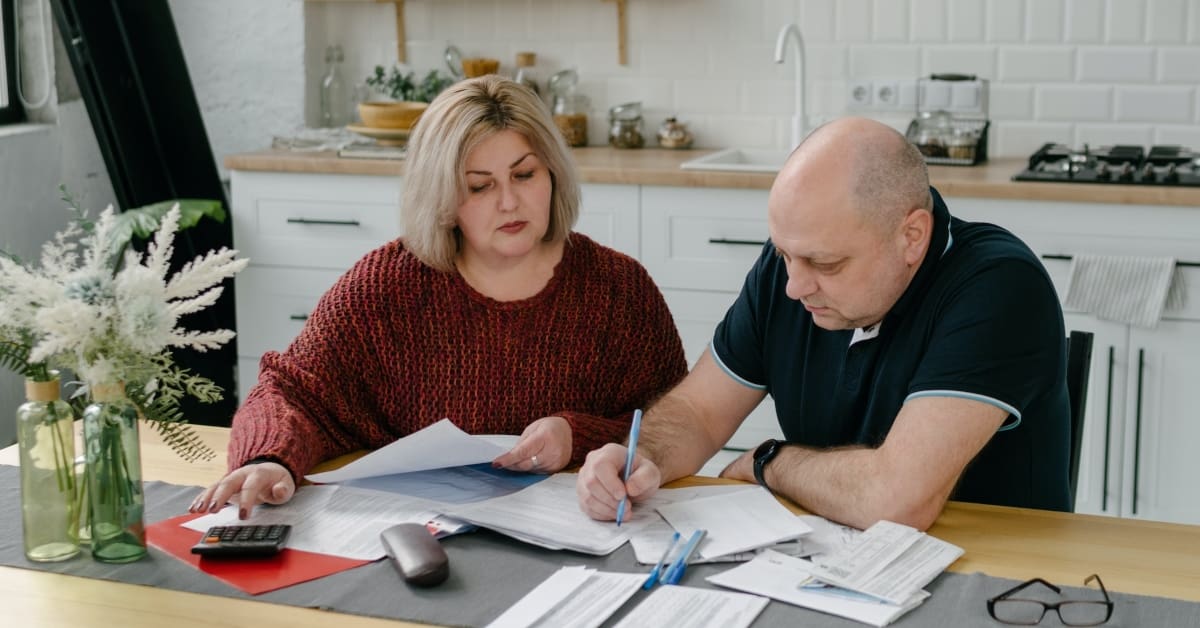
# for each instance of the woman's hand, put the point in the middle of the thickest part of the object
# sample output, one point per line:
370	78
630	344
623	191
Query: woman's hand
253	484
544	447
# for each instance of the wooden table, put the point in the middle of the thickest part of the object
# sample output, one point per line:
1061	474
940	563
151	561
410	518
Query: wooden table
1132	556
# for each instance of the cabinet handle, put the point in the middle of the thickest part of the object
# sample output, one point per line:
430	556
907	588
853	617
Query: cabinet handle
1137	426
299	317
318	221
1112	351
735	241
1069	257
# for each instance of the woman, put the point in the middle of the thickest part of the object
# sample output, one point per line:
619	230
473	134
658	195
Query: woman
489	311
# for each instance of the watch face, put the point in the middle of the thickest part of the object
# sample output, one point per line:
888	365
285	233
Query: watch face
766	450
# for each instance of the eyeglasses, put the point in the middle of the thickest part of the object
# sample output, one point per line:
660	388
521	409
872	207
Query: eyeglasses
1025	612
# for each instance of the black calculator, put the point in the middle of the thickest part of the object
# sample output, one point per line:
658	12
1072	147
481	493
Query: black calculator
242	541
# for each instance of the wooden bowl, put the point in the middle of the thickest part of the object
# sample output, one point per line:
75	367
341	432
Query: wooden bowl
391	115
479	66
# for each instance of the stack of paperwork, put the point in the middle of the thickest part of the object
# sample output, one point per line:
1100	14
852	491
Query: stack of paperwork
874	580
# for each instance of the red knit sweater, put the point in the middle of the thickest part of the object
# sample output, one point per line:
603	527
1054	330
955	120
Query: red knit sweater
395	346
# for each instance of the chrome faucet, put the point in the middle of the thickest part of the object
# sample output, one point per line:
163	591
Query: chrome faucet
798	118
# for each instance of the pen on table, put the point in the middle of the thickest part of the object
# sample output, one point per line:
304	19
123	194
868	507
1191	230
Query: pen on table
633	438
655	573
675	573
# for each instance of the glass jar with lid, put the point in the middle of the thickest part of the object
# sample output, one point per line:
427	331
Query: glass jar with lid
625	126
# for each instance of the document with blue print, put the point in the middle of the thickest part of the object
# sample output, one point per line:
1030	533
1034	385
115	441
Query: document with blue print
440	462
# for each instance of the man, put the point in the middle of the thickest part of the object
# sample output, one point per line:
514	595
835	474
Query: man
912	357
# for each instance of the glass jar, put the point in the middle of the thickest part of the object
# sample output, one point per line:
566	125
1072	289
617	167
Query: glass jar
46	445
962	145
674	134
933	130
527	73
625	126
570	115
114	472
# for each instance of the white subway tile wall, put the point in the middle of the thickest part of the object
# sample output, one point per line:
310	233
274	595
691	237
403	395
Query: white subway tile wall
1071	71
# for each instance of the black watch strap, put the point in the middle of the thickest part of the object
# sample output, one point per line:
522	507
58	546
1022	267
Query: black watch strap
763	455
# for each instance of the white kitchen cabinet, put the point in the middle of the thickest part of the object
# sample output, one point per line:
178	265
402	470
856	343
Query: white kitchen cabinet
698	244
300	233
1142	423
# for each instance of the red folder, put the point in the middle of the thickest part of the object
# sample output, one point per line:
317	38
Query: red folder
252	575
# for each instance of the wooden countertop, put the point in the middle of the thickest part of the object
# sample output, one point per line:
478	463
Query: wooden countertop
657	166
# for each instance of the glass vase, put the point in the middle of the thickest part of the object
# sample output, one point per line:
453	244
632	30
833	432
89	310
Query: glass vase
114	474
48	485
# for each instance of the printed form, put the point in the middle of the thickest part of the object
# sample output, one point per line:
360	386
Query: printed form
579	597
890	561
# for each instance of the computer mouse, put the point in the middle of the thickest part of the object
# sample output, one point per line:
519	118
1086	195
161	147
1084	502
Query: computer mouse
418	556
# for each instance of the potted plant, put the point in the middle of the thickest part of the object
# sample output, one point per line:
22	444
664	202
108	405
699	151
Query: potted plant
404	98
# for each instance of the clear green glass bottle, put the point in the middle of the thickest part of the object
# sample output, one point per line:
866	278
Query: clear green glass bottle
47	450
114	473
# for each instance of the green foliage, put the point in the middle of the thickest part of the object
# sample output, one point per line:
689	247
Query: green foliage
398	85
142	222
14	356
160	406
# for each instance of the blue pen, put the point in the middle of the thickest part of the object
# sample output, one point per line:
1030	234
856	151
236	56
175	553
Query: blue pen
675	573
633	437
655	573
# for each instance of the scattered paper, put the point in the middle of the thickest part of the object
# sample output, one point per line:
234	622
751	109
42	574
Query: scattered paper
689	607
789	579
827	538
572	597
736	522
890	561
650	542
547	514
338	520
438	446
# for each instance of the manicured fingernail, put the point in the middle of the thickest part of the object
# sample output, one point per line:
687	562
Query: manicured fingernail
496	465
242	514
212	506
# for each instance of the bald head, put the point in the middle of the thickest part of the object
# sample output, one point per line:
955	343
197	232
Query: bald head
882	173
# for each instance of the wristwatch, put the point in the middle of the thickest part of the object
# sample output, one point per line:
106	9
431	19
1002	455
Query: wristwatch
765	453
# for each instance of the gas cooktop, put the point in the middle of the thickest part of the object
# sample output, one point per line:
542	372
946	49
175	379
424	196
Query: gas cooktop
1120	164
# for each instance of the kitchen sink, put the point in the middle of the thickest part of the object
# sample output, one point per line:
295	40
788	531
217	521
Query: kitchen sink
739	159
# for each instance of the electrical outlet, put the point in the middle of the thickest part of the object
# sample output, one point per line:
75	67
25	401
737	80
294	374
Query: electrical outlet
887	94
860	94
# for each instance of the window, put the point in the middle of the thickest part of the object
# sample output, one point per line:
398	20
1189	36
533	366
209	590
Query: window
10	106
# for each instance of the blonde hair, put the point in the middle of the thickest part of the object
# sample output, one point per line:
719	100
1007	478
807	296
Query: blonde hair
461	117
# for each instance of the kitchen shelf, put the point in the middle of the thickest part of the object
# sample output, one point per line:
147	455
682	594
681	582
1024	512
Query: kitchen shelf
401	39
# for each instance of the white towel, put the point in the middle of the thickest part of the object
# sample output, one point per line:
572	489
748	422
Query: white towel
1131	290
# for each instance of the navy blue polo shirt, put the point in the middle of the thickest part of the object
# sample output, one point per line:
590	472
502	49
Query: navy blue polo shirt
980	320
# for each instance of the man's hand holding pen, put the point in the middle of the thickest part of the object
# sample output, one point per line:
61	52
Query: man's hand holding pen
600	487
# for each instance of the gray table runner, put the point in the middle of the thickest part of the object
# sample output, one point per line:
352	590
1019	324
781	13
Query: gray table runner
489	572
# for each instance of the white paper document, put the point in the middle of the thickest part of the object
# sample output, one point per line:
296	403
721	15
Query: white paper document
890	561
689	607
736	522
572	597
438	446
789	579
650	542
547	514
333	520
